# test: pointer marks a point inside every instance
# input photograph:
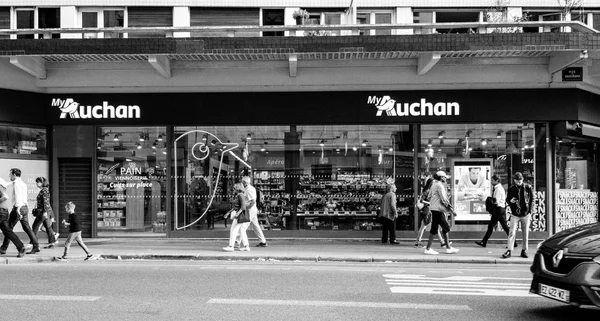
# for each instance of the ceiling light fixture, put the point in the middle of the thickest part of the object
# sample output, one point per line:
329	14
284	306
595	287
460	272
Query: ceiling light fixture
117	135
483	142
499	133
430	142
468	133
364	143
154	144
441	134
160	137
142	137
138	145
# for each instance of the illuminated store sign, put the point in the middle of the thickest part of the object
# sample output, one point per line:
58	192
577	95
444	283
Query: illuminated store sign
422	108
575	208
71	108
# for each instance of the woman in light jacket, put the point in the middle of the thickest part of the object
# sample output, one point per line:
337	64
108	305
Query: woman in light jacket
439	205
240	220
44	214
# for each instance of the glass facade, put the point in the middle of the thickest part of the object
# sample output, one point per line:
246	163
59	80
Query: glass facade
472	153
131	177
309	177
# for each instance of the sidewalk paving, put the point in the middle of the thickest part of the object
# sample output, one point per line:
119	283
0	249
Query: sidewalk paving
345	250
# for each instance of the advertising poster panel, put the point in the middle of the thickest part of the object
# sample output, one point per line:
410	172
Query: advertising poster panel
471	185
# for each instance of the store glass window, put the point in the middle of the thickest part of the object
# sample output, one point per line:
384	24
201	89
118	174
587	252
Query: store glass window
23	142
308	177
131	191
472	153
576	200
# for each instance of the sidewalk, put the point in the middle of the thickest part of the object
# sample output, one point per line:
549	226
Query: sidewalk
278	250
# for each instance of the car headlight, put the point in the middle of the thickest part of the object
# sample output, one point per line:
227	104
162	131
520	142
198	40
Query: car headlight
597	259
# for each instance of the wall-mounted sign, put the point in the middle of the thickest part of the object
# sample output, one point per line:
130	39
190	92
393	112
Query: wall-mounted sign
575	207
572	74
388	106
69	107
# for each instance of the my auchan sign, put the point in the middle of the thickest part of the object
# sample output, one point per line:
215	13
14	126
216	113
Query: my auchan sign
386	106
72	109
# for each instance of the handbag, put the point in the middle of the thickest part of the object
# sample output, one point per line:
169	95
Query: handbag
35	212
243	217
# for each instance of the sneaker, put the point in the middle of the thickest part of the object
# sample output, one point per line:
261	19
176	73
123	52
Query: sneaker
61	258
89	256
506	255
444	244
49	246
22	252
228	249
452	250
418	244
33	251
524	254
28	247
261	244
431	252
245	248
480	243
56	235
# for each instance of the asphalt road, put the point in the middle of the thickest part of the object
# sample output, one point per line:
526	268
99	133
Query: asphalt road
176	290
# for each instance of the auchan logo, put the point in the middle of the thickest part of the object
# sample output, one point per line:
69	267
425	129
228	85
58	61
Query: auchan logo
422	108
69	107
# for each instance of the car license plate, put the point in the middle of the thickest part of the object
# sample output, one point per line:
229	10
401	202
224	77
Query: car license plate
554	293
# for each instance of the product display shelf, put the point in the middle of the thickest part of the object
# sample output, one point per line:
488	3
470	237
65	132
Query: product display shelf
111	207
271	184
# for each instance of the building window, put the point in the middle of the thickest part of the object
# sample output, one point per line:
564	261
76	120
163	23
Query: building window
23	142
4	20
310	177
441	16
25	20
329	16
131	191
103	18
149	17
472	153
224	17
374	17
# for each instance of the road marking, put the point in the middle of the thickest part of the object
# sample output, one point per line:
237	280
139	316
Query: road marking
456	285
471	291
48	297
341	304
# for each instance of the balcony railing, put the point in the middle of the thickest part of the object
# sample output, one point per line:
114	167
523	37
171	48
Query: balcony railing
300	30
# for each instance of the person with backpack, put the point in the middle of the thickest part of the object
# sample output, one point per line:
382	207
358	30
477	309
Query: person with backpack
497	208
520	199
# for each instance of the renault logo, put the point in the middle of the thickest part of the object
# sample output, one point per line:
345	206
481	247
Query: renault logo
557	258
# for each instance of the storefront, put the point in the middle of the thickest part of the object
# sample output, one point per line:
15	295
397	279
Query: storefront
165	164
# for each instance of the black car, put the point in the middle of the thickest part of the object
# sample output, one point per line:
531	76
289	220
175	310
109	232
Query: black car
566	266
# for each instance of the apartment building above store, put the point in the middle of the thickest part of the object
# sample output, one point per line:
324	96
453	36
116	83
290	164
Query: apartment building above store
51	47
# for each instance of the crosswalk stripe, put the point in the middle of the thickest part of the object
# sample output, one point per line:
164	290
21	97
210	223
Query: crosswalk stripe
345	304
478	292
526	287
438	281
48	297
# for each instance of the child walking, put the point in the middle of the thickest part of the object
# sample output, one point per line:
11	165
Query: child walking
74	232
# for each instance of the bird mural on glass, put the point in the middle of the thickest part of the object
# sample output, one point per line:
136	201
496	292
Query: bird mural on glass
201	151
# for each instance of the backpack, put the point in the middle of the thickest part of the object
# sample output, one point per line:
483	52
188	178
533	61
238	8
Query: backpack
259	199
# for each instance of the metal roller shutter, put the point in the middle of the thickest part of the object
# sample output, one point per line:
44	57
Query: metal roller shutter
224	17
75	185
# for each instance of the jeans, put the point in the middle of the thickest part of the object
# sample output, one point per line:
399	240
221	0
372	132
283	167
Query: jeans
498	217
39	220
389	227
7	230
75	236
12	221
514	223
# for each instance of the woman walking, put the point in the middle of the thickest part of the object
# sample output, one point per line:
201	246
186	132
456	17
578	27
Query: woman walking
43	212
439	206
240	220
425	214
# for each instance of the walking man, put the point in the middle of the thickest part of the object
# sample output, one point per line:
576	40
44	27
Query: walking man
7	230
388	215
253	210
520	199
20	211
499	212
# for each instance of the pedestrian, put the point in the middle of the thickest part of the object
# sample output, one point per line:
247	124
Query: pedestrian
498	211
520	199
388	215
20	211
74	232
5	227
425	213
439	205
43	212
253	211
240	220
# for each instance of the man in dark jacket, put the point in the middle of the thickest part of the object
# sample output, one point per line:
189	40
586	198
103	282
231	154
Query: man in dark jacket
520	199
388	215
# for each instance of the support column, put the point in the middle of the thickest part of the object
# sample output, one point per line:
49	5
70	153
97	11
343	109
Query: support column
292	173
